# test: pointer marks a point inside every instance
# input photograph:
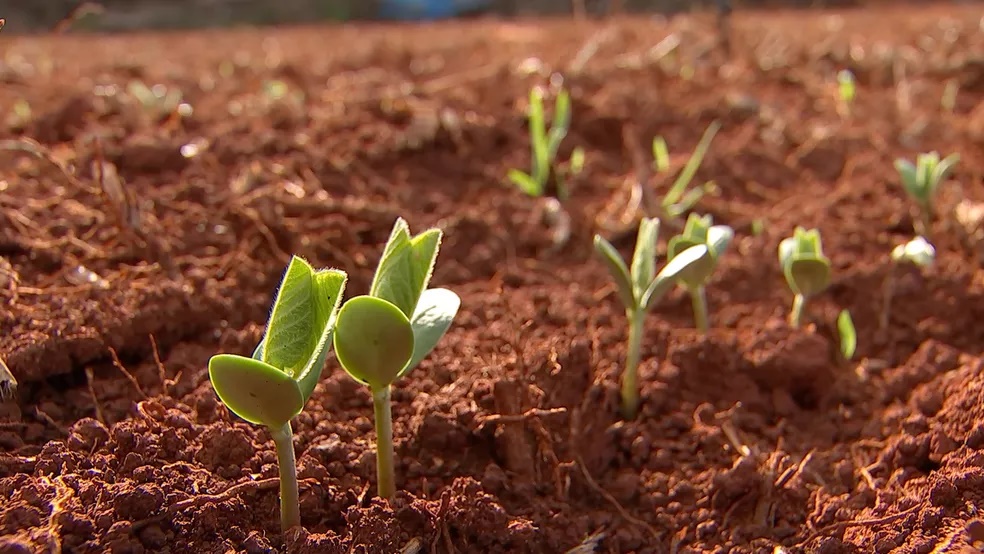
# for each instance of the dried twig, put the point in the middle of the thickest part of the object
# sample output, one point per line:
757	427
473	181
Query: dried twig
611	500
521	418
842	525
202	499
92	393
129	376
8	384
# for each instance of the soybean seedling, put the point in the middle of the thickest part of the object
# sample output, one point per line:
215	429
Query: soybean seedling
922	181
640	288
271	387
846	91
699	230
385	334
679	199
544	145
847	334
805	267
918	253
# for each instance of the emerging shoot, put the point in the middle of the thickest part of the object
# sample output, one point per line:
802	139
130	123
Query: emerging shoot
679	200
922	181
385	334
846	91
271	387
848	335
544	145
919	253
699	230
806	269
640	288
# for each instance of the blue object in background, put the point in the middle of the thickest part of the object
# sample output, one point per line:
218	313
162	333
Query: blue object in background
428	9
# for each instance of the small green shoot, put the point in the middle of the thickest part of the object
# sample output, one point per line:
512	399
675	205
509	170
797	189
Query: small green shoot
948	100
678	199
271	387
385	334
805	267
918	253
544	145
848	335
846	91
640	288
922	181
699	230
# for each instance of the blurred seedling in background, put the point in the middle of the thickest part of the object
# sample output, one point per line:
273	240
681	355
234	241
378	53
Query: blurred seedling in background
917	253
544	146
271	387
847	334
548	178
846	92
640	288
699	230
805	267
159	101
680	198
922	182
381	336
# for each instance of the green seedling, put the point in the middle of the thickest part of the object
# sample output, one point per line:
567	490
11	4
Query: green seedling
640	288
846	90
806	269
848	335
271	387
922	182
159	100
544	145
381	336
699	230
918	253
680	199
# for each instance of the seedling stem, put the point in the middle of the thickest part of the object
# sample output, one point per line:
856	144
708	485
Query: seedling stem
630	377
796	314
290	508
698	299
385	472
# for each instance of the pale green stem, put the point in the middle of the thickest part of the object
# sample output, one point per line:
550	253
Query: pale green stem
290	508
799	301
385	473
698	298
630	376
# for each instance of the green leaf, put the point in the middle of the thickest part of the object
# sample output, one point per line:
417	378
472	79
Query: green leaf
808	275
644	258
431	320
526	183
848	335
661	155
255	391
329	287
538	137
719	238
560	125
406	266
670	274
943	168
291	335
907	172
374	340
689	170
617	269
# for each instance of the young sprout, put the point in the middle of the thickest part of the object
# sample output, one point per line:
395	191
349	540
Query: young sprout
848	335
699	230
679	200
640	288
846	90
272	386
381	336
806	269
922	181
544	145
918	252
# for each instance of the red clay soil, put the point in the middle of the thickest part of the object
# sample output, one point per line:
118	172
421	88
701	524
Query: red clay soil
754	438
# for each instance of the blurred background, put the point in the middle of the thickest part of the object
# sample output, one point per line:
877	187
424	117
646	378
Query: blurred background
121	15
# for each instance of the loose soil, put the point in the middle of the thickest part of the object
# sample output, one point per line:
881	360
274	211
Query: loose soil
754	438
